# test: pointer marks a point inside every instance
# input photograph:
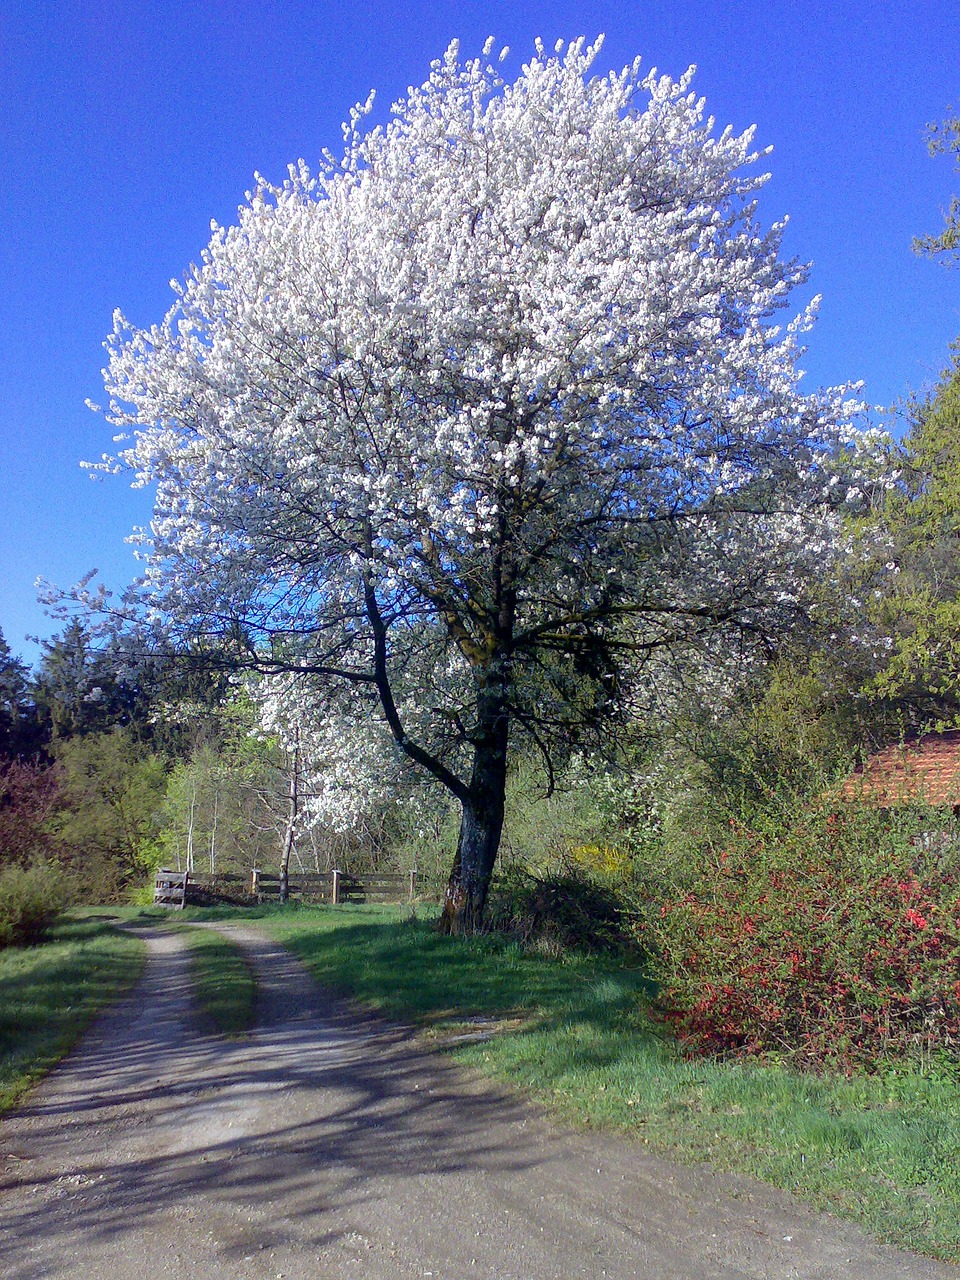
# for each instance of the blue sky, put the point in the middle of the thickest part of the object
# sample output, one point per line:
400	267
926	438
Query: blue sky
125	127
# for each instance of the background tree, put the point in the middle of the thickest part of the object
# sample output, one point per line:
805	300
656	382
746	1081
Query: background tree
83	686
111	793
915	541
21	733
484	418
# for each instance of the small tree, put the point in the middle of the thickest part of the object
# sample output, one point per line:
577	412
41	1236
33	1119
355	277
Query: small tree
214	815
30	798
477	421
111	791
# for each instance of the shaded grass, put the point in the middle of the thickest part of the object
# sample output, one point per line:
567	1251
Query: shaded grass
575	1033
224	988
50	993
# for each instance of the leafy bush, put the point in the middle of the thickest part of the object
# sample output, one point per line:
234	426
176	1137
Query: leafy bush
558	910
30	796
831	939
30	899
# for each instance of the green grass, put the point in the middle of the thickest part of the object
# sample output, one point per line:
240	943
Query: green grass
575	1034
49	994
223	984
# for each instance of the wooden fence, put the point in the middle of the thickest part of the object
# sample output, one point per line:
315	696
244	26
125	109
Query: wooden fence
336	887
178	888
228	889
170	888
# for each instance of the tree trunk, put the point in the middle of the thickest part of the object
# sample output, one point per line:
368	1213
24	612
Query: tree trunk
213	834
291	829
190	822
483	799
480	828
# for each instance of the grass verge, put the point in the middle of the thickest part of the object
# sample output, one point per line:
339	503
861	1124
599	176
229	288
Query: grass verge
575	1034
49	994
223	984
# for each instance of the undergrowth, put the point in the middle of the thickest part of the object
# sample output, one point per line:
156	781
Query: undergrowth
31	898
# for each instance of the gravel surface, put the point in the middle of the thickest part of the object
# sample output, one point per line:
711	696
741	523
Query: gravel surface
328	1145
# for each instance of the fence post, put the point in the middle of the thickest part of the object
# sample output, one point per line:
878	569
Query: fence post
255	882
336	888
413	883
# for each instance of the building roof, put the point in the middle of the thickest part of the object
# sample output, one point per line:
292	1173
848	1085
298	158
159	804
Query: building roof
922	770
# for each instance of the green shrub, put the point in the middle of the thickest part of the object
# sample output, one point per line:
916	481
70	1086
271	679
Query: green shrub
30	899
558	910
832	939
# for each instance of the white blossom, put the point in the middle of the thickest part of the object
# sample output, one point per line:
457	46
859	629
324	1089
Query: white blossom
488	408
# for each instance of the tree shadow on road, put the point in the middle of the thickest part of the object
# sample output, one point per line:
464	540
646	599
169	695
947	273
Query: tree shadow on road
300	1131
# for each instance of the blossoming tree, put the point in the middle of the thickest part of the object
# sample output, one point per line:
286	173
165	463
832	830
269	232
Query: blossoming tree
484	415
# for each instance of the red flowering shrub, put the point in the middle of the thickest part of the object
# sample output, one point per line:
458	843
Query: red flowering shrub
835	939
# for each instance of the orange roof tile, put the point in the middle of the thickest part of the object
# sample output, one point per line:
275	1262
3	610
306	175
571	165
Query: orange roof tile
919	771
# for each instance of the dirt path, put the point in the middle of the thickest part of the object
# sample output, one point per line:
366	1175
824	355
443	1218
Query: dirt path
323	1147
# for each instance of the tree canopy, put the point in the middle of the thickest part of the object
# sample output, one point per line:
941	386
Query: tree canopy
943	138
917	603
475	426
18	735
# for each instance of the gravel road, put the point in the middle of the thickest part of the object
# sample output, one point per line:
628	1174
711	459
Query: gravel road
327	1145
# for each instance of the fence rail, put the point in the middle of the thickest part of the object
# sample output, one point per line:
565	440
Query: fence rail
338	887
179	888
